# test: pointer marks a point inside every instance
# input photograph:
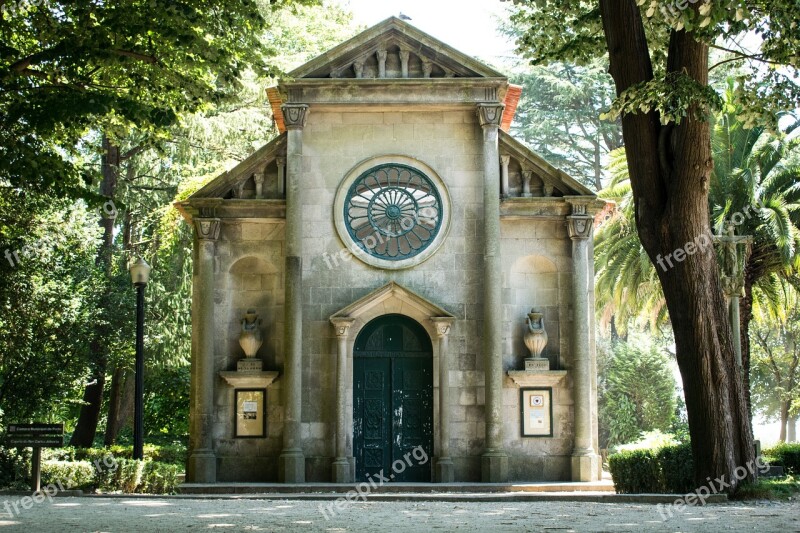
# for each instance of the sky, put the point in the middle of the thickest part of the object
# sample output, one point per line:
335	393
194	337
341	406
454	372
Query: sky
469	26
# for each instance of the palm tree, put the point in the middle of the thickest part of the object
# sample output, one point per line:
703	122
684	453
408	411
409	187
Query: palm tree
754	185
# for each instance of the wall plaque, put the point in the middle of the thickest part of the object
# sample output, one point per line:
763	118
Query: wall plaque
251	419
536	410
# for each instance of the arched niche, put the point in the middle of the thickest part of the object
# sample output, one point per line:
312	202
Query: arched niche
534	283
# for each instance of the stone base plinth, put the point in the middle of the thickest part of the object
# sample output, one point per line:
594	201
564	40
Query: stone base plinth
585	467
494	467
202	467
250	364
342	471
445	471
292	467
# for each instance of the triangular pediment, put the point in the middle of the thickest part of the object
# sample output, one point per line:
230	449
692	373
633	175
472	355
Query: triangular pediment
257	177
547	180
394	49
391	298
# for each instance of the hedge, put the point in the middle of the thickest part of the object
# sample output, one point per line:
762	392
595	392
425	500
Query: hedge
635	472
785	455
171	454
665	470
69	474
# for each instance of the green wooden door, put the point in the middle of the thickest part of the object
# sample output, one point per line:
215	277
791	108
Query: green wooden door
392	400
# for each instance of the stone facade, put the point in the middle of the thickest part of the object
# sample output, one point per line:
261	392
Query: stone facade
515	235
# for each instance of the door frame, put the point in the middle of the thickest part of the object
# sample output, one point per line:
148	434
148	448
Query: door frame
392	298
394	363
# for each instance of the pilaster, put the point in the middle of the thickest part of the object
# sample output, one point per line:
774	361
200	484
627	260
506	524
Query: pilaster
445	472
291	463
584	456
342	465
494	461
202	463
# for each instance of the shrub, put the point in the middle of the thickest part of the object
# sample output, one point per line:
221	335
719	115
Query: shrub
668	469
69	474
785	455
635	471
124	478
15	465
158	478
677	468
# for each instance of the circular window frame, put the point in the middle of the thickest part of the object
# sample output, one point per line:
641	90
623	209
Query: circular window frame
342	196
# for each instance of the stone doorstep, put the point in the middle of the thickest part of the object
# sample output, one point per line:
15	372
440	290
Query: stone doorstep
464	497
395	488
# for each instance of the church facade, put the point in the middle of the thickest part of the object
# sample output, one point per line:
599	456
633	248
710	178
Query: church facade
394	286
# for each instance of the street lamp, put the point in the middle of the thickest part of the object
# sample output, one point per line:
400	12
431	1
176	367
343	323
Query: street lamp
140	274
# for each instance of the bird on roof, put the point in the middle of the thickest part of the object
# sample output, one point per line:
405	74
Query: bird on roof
403	16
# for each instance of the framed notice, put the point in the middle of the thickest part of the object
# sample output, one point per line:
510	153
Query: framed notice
251	419
536	410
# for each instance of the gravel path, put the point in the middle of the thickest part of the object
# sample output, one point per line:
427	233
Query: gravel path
181	514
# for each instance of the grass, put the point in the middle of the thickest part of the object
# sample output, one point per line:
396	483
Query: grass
784	488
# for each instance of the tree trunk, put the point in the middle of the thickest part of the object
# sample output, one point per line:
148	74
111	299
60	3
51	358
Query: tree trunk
669	169
745	317
113	406
86	428
784	420
791	429
120	404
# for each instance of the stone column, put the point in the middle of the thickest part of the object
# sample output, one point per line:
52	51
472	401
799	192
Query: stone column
342	471
258	178
427	67
291	463
381	63
281	163
494	461
444	464
404	54
202	464
505	160
527	175
584	457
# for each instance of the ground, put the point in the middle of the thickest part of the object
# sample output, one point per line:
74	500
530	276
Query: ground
95	514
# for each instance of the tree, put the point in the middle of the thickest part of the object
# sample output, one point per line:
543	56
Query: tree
776	362
158	175
754	186
48	285
559	116
636	393
659	59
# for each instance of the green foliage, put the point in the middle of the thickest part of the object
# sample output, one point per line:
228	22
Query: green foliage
47	311
174	454
635	472
576	35
15	466
636	393
786	455
754	184
69	474
159	478
665	470
786	488
69	66
677	468
167	402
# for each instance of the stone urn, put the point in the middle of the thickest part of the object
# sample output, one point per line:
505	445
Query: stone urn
250	338
536	336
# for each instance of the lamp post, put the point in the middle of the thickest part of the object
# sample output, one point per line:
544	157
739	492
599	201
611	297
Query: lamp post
140	274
